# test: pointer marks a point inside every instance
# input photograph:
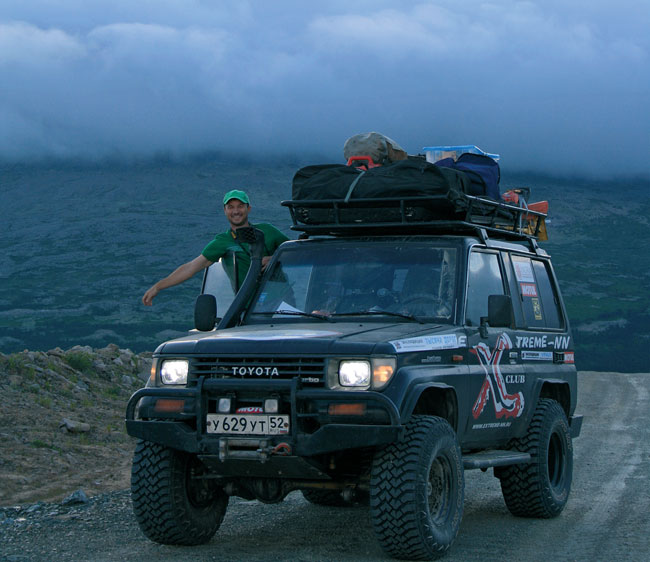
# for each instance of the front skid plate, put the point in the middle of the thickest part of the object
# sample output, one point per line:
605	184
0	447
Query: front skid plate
274	467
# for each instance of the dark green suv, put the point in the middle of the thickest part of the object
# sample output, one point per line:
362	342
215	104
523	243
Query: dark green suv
368	363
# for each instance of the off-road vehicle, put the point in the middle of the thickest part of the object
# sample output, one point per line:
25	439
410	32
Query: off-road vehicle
370	362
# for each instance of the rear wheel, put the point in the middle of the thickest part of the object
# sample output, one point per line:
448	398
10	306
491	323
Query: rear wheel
172	505
417	491
541	488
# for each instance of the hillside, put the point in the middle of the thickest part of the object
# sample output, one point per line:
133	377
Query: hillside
83	241
62	421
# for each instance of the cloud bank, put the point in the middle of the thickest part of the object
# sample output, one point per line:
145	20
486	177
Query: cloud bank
549	85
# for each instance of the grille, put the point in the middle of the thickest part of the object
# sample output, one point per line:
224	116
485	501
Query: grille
310	369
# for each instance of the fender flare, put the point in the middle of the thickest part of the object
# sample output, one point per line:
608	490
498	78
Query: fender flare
415	392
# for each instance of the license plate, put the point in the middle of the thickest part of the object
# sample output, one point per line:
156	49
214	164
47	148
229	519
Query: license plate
248	424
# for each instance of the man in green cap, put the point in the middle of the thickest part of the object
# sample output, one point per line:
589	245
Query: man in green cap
236	207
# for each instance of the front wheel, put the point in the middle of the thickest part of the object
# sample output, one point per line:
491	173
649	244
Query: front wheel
171	503
541	488
417	489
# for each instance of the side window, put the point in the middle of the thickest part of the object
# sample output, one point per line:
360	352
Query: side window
538	298
550	300
484	279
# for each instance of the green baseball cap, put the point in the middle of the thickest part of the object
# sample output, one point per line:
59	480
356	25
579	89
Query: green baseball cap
236	194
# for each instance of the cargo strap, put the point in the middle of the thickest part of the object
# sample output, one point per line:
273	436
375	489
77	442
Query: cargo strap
352	186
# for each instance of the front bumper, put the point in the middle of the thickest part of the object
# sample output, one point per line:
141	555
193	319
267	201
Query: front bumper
186	431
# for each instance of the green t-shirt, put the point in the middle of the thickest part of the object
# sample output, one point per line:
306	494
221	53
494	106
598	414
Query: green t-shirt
224	243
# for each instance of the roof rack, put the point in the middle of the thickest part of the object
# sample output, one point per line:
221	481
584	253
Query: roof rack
416	215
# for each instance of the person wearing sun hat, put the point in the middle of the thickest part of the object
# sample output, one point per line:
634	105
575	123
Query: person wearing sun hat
236	207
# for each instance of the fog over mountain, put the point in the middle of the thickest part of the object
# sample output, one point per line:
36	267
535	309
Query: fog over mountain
550	85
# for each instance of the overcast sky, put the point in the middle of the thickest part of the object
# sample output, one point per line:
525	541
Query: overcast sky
553	85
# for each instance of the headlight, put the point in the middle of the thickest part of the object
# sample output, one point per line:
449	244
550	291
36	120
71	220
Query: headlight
354	373
174	371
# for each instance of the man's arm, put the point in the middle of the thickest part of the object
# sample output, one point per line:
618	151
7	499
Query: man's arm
180	274
273	239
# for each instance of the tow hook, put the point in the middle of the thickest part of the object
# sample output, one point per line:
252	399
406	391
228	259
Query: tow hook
281	449
251	449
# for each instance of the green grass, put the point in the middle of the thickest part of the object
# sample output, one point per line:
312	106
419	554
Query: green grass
79	360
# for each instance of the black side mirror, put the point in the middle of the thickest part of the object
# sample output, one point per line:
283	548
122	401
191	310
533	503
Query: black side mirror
205	312
499	311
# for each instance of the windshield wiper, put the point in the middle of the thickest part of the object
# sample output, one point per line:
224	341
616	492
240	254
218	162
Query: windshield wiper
379	313
295	313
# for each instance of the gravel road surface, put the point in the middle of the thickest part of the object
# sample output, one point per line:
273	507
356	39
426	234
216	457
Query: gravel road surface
606	517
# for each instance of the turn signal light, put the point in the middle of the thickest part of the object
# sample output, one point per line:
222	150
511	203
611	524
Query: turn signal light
346	409
167	405
382	374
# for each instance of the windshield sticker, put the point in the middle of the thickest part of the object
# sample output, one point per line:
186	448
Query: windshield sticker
537	355
537	308
523	271
265	335
427	343
505	404
528	289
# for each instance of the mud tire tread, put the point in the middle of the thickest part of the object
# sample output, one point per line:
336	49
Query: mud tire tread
528	489
160	499
398	491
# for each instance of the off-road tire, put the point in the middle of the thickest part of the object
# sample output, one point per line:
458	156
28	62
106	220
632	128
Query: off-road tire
541	488
417	489
170	506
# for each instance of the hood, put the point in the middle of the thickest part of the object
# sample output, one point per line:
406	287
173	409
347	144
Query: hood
347	338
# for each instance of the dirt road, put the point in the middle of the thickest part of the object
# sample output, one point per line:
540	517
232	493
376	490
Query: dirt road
605	519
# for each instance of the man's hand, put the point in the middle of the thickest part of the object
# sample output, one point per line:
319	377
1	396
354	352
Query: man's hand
180	274
147	299
265	262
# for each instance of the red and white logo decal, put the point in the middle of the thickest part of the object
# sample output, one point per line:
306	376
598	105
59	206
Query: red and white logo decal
528	289
508	405
250	410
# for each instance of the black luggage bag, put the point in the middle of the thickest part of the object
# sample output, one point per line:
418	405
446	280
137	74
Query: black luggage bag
340	194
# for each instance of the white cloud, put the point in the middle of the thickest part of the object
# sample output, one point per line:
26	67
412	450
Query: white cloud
24	44
536	81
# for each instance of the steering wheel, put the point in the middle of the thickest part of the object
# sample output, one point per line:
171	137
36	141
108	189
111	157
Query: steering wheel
438	303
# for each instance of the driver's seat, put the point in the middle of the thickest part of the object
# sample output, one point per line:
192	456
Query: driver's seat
419	294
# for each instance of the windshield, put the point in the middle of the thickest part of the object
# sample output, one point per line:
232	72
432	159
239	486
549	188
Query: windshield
403	281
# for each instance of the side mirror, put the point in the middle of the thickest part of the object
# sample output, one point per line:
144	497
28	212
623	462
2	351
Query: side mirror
499	311
205	312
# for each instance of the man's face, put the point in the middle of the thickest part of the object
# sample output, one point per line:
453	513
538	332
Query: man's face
236	213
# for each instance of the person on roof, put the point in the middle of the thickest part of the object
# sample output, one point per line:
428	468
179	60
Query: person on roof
236	206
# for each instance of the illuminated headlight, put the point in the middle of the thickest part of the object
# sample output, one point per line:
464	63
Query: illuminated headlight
354	373
174	371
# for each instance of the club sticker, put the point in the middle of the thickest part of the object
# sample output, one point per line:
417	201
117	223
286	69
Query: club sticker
537	355
528	289
427	343
523	271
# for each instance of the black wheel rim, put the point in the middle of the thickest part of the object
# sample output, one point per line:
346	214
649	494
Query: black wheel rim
440	489
556	461
199	491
